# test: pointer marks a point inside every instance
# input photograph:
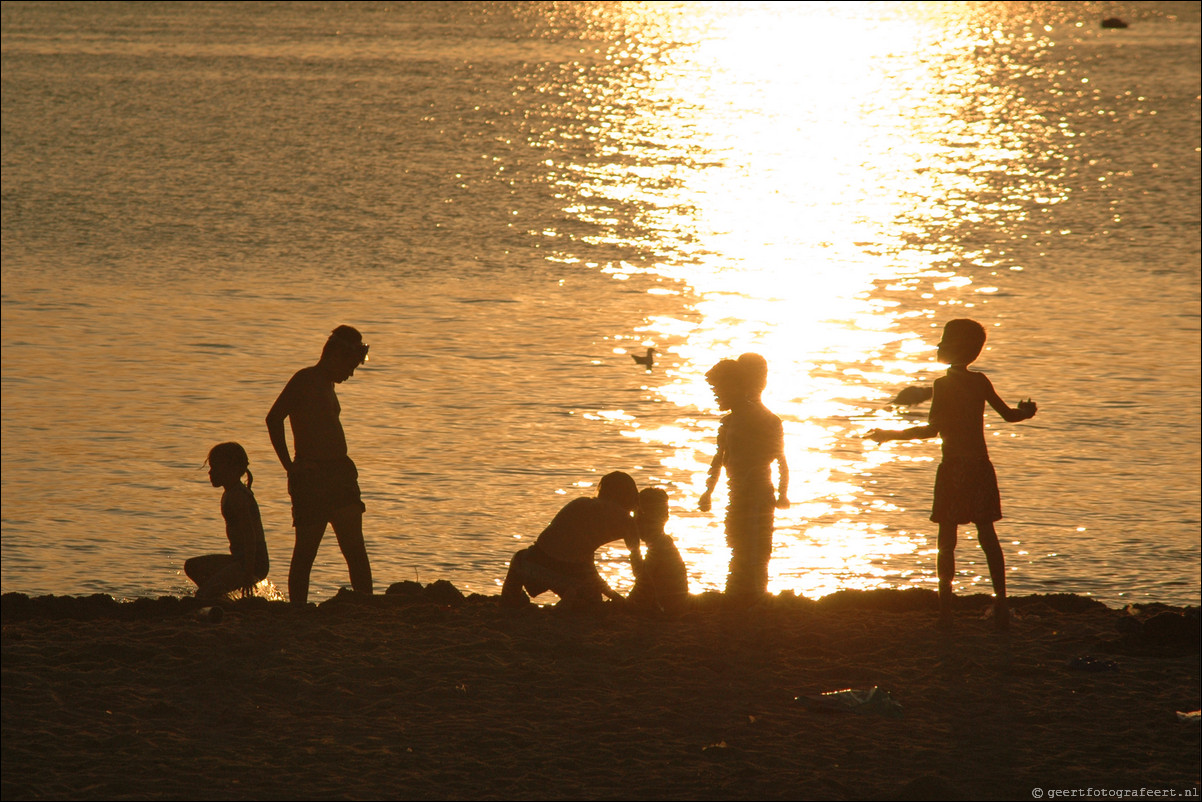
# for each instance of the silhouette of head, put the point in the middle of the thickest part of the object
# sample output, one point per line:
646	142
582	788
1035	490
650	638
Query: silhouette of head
228	457
727	382
755	373
345	350
620	489
653	508
962	342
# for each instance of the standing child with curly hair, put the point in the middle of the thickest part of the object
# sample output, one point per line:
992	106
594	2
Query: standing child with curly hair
750	439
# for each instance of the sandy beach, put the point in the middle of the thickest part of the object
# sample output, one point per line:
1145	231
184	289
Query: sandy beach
427	694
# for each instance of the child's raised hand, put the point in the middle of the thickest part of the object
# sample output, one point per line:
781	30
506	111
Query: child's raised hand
782	503
703	503
1027	408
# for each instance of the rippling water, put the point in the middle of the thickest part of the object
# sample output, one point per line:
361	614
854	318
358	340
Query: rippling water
510	198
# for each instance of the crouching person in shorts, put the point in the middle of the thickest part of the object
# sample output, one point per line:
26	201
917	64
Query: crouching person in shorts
322	480
561	559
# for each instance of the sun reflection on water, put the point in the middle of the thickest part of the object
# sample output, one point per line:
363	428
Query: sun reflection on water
514	197
788	164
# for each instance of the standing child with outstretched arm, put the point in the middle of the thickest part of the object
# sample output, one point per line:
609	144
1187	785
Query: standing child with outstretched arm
966	488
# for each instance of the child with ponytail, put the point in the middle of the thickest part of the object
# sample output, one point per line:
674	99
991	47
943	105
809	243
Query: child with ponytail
218	575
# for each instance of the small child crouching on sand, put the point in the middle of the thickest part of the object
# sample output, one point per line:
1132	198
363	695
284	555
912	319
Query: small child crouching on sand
966	488
664	582
217	575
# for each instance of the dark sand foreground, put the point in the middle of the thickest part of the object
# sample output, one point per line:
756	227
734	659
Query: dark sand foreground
425	694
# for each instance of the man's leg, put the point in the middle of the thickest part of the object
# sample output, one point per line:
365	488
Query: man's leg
513	592
308	538
348	528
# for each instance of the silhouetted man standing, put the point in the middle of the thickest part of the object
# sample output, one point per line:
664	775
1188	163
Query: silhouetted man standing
322	480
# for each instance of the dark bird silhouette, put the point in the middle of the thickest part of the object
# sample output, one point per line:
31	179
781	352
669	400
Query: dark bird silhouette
646	361
912	395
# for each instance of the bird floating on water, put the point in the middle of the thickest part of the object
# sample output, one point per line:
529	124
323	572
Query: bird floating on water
646	361
912	395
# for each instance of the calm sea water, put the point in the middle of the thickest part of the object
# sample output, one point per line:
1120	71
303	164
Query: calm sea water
510	198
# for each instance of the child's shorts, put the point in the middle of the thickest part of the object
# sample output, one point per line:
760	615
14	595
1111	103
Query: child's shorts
966	492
